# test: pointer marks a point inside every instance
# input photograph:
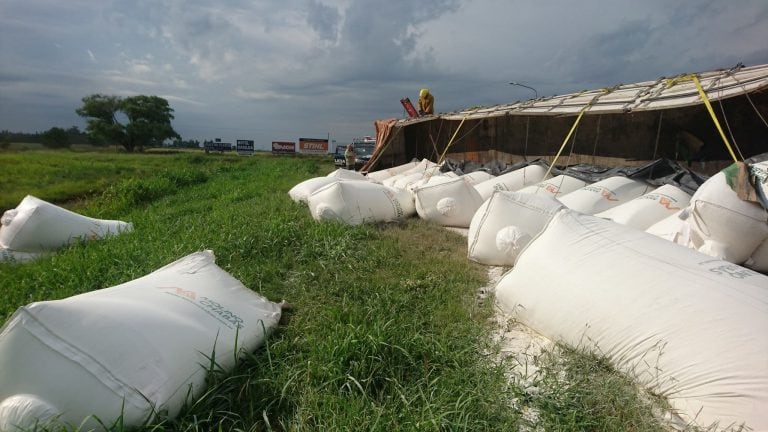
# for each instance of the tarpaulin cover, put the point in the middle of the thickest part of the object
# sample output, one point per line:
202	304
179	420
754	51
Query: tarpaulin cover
659	172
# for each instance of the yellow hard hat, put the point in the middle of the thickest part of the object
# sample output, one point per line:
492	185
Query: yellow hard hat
423	92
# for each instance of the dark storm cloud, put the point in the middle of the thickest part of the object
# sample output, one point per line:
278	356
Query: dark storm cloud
293	68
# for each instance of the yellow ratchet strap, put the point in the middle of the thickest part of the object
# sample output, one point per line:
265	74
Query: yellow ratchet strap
565	141
450	143
705	99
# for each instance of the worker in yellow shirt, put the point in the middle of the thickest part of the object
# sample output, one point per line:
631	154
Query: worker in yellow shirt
426	102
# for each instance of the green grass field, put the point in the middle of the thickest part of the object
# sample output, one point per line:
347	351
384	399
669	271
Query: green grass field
385	332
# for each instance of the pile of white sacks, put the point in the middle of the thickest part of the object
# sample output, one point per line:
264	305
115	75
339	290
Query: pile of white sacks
660	281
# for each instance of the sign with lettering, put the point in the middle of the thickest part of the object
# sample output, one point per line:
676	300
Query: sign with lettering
245	147
313	145
283	147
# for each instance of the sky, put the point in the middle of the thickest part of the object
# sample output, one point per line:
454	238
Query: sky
289	69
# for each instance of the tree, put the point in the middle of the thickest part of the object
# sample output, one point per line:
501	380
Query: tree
56	137
148	120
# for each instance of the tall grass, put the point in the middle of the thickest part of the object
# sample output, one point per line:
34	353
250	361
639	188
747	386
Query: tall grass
384	332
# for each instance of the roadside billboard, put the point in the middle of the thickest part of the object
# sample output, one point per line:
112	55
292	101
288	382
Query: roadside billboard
313	145
245	147
283	147
217	146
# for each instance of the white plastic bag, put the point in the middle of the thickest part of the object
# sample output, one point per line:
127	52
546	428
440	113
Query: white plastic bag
37	226
688	327
131	350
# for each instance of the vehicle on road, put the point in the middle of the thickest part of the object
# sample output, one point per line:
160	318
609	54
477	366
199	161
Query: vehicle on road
363	152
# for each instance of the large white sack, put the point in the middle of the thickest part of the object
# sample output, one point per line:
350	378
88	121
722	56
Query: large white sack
721	224
39	226
411	167
303	190
670	228
384	174
345	174
605	194
644	211
688	327
432	180
403	181
452	203
477	177
505	223
131	350
512	181
555	186
356	203
759	259
424	166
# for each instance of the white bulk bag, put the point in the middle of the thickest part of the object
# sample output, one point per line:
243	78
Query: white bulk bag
436	179
408	168
131	350
759	259
670	228
721	224
477	177
402	181
303	190
452	203
512	181
425	166
556	186
688	327
38	226
604	194
644	211
345	174
384	174
505	223
356	203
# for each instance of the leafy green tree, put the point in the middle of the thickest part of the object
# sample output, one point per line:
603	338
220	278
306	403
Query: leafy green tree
56	137
148	120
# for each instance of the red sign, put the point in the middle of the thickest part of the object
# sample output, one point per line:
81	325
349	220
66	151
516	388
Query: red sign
283	147
313	145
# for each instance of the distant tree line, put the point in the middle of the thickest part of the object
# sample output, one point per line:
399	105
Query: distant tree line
54	137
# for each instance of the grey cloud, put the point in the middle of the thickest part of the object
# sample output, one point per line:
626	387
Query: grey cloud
323	19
